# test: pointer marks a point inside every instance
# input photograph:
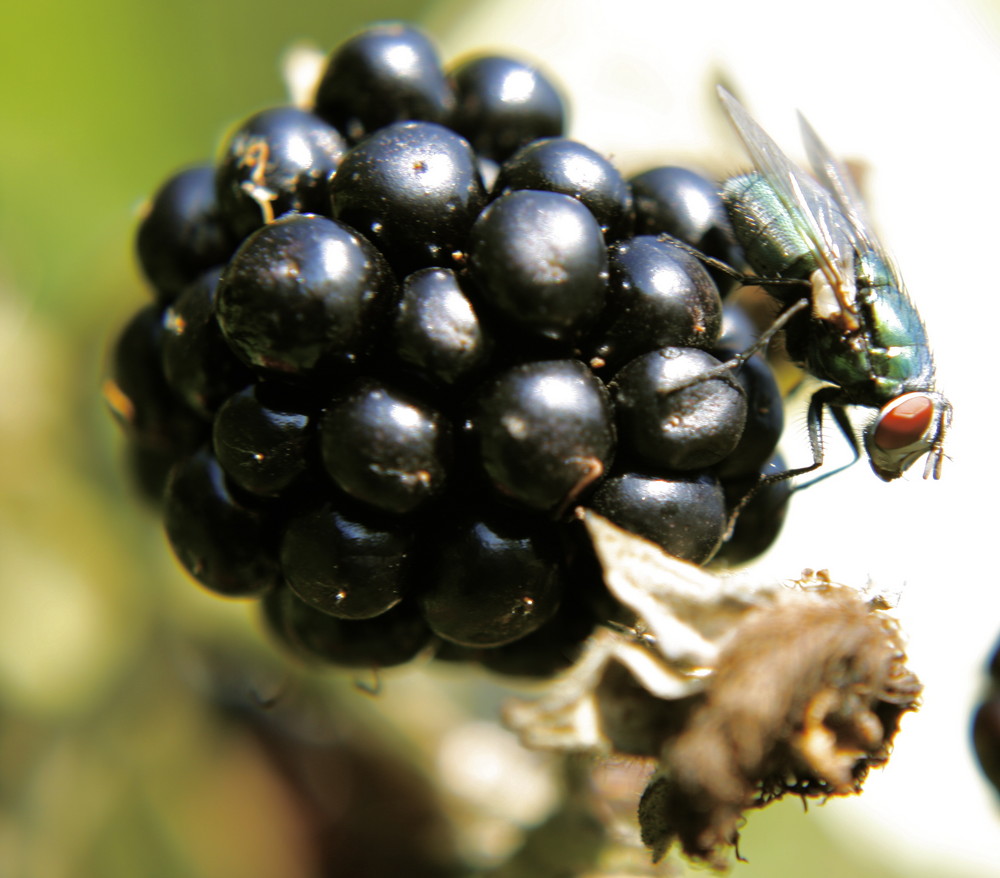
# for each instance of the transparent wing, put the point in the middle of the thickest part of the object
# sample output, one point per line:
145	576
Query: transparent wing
829	231
832	174
838	181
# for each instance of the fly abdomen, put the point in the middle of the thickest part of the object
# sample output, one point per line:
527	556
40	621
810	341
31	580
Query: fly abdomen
767	232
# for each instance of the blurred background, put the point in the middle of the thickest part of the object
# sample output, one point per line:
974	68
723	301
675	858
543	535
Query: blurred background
133	734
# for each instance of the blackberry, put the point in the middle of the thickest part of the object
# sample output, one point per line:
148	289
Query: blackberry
399	336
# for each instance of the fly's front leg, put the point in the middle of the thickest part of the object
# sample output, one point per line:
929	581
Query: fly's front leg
825	397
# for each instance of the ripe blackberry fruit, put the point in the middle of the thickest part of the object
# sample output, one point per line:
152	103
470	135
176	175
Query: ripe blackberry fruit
401	332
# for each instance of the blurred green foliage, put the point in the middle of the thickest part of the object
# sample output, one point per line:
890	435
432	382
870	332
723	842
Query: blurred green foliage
112	762
101	100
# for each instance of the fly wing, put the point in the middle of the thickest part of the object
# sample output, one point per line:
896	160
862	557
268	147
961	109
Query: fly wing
829	231
840	184
838	181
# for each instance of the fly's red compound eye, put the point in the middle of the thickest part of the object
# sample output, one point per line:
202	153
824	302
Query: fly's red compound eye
903	421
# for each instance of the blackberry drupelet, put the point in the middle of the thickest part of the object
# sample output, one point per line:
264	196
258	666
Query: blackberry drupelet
539	261
544	432
557	164
303	293
399	335
659	295
985	726
276	161
183	233
386	448
350	566
387	73
501	104
413	189
691	428
198	364
264	438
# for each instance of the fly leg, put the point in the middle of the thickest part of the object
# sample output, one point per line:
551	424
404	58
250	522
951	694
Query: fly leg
825	398
734	363
744	280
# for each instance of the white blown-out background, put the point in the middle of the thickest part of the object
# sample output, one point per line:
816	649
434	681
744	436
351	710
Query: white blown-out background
910	89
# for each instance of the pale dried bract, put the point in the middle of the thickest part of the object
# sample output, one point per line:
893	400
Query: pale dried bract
742	691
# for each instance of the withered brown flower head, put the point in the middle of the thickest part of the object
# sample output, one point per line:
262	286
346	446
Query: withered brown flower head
806	699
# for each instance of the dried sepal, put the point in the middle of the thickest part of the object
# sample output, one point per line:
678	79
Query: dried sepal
742	691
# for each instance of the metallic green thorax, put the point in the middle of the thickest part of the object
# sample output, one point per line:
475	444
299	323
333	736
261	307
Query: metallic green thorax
887	355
